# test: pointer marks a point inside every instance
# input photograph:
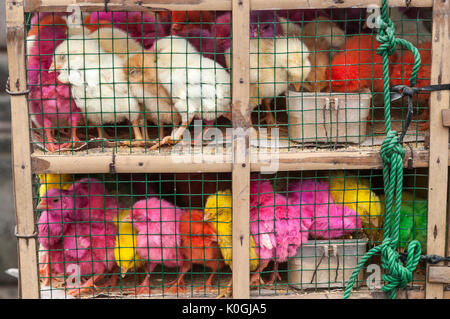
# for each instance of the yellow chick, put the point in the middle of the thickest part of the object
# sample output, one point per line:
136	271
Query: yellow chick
125	250
355	193
218	212
49	181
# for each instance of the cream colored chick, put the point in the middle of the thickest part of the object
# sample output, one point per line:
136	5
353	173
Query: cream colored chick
320	36
274	63
98	83
144	84
198	85
116	41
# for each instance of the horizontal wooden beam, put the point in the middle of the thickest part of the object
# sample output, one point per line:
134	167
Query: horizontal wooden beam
142	5
439	274
298	161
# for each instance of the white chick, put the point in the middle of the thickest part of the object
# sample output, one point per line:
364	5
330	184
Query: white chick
274	63
144	85
98	83
198	85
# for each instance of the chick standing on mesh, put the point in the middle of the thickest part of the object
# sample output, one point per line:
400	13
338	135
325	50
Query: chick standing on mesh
98	83
143	78
274	63
275	225
199	246
218	212
356	194
90	246
326	220
320	36
50	100
198	85
158	235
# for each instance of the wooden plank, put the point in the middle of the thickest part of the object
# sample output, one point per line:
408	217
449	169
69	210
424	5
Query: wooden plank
142	5
241	145
446	118
439	274
438	168
292	161
23	197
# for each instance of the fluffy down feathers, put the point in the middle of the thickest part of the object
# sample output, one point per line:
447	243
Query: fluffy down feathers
357	67
49	181
182	69
144	85
50	101
218	213
356	194
326	219
291	65
189	20
98	82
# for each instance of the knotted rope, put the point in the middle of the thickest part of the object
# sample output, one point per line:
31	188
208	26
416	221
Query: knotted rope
397	275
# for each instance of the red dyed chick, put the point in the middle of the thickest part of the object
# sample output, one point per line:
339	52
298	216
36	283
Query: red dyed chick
357	67
182	20
198	246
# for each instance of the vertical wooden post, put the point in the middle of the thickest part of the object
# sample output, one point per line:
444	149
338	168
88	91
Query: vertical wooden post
438	169
241	145
15	37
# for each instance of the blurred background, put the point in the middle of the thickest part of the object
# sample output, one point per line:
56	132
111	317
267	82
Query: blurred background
8	254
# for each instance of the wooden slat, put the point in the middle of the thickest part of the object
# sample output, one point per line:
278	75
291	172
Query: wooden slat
138	5
241	145
28	269
292	161
438	167
439	274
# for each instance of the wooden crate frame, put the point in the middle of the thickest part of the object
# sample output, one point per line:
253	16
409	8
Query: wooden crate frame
25	163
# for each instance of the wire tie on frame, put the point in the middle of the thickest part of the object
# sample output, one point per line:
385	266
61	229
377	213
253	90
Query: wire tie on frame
7	90
34	235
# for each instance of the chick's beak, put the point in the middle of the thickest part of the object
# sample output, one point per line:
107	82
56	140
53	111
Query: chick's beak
123	271
206	217
297	86
43	205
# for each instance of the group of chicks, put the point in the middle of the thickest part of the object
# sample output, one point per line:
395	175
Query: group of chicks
104	68
83	224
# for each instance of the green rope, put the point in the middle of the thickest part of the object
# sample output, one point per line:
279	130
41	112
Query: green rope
392	154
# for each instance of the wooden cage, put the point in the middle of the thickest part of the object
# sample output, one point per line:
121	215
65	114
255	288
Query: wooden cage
26	162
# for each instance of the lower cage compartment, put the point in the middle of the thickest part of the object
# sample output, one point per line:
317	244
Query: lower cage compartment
169	235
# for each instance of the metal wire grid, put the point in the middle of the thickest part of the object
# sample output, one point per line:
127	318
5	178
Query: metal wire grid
313	117
100	237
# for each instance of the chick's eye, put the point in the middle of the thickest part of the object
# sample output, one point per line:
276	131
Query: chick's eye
133	71
54	200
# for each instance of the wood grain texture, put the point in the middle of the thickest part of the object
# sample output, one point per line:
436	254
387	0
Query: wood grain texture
23	197
439	274
438	167
142	5
241	145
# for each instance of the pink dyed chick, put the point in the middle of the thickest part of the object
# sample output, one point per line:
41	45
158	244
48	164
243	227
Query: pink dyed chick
272	216
158	240
142	27
262	24
52	224
50	101
93	201
323	218
90	246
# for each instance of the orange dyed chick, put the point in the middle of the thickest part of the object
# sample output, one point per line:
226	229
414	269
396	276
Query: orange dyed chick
198	246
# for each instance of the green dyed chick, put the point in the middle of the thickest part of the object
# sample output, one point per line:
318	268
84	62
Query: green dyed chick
413	221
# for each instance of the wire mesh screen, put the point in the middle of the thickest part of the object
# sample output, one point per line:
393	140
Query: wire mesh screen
144	81
130	235
170	235
310	229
